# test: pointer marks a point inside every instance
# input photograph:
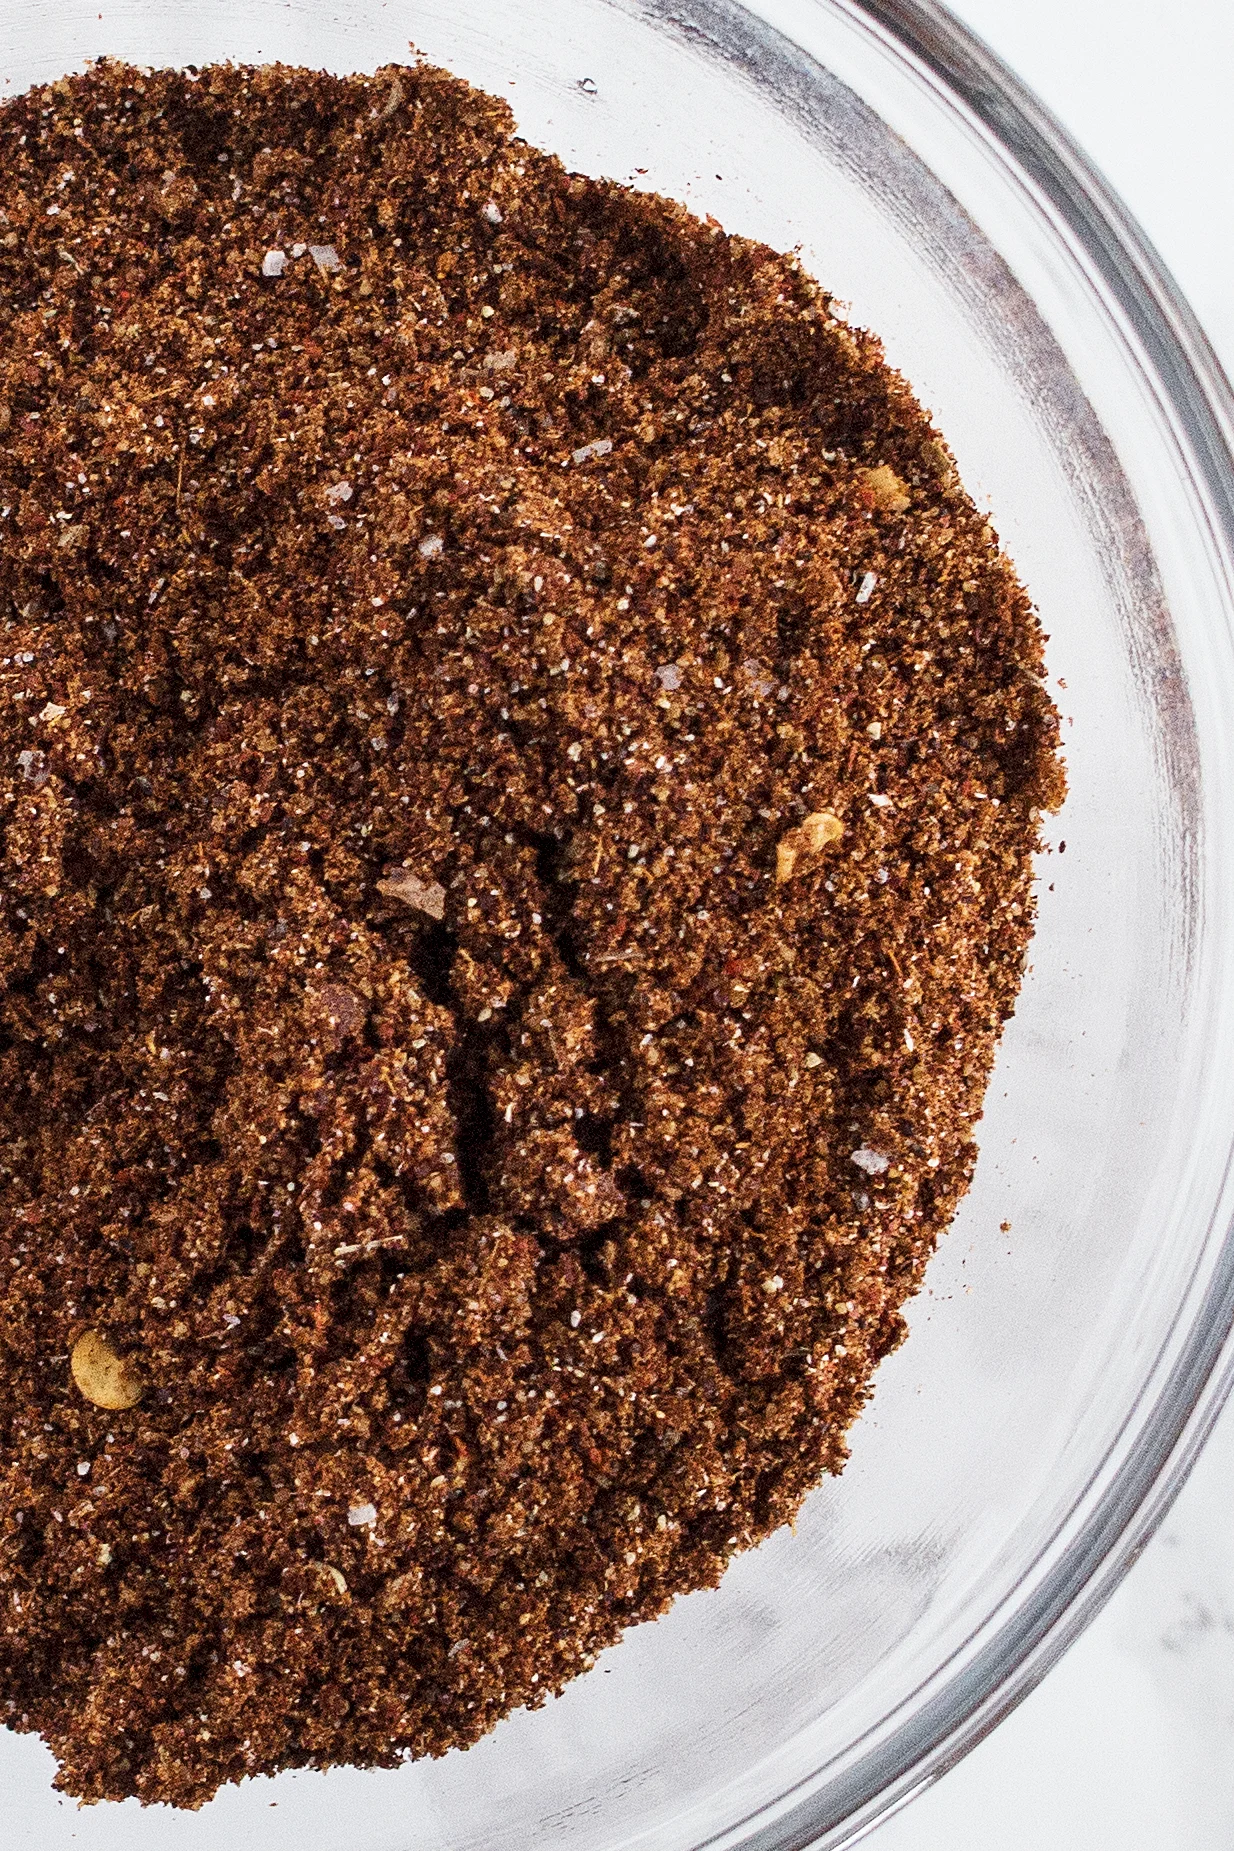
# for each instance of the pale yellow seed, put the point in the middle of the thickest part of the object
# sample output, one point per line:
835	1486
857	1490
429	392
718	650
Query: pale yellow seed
821	828
102	1375
885	489
807	838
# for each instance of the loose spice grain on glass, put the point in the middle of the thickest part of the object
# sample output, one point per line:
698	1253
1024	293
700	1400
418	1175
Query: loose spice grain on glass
520	763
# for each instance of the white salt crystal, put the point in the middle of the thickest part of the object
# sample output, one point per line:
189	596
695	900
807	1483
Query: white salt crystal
758	678
360	1514
866	589
873	1162
274	263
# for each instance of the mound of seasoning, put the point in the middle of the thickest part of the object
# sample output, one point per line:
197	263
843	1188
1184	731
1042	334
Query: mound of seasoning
520	763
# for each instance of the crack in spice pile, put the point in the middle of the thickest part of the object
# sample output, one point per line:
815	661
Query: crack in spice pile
520	765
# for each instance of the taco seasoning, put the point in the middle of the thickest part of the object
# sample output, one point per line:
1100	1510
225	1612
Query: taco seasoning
520	767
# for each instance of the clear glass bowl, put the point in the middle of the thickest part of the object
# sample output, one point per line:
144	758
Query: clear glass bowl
1062	1373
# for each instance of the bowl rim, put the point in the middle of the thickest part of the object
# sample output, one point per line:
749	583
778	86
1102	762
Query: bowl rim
1026	1643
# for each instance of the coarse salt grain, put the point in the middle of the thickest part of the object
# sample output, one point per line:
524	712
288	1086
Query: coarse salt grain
360	1515
873	1162
865	590
599	446
274	263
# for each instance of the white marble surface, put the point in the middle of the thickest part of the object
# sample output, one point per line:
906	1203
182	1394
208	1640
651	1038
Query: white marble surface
1128	1745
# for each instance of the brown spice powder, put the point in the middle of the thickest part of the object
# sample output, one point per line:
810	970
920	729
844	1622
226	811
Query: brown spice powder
520	763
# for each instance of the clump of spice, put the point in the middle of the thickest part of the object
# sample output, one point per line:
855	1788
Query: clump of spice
520	763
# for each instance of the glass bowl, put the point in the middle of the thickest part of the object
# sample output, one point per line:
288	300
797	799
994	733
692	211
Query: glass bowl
1063	1369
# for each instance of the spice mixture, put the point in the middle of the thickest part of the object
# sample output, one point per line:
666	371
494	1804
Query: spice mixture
519	765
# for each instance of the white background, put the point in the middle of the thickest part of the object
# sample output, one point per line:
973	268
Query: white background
1129	1743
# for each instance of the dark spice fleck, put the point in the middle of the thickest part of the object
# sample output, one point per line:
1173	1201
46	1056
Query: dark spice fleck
520	763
